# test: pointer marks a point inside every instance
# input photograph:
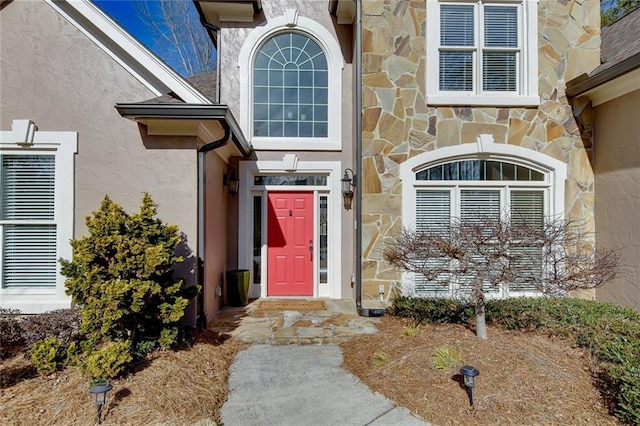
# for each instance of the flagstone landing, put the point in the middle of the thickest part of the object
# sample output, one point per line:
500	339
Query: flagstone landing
294	321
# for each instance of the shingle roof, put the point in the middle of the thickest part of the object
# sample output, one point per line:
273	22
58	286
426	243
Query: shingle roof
619	41
204	83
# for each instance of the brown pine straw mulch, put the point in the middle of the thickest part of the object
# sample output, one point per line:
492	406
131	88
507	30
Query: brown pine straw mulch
169	388
525	378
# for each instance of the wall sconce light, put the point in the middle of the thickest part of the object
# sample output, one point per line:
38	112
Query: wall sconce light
99	390
469	373
231	180
348	183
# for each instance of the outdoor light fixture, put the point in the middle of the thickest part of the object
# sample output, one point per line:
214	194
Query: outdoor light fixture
469	374
231	180
100	390
348	183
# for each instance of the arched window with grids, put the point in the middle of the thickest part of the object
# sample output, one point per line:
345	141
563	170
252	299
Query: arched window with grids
290	88
291	81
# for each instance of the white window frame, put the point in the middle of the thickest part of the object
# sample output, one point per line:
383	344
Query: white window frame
308	27
527	77
24	139
555	172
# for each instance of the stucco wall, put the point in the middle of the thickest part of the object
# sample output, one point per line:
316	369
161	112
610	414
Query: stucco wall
231	40
398	125
54	75
617	170
216	228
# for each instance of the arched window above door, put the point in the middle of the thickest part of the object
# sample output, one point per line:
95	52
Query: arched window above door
290	88
291	85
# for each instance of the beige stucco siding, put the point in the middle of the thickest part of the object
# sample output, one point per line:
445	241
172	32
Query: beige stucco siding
57	77
215	232
617	170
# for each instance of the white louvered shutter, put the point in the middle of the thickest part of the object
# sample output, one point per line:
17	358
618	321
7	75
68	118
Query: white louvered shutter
478	205
433	212
527	206
27	220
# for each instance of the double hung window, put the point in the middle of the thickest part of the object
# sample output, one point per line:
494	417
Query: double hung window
482	52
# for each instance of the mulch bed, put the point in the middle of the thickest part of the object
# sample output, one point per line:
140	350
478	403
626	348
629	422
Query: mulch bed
525	378
178	387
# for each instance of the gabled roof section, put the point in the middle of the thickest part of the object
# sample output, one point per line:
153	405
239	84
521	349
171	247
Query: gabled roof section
126	50
204	83
620	60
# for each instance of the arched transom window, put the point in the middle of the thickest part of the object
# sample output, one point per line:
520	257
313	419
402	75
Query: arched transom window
290	88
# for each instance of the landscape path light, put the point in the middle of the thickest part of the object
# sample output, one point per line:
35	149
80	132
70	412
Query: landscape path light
99	390
469	374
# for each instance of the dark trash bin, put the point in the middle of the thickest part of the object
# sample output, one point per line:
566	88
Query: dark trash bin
238	287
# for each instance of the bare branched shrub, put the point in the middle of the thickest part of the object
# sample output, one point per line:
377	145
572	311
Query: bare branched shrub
482	253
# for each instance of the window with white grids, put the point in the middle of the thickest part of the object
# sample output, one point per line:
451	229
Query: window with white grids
290	88
290	75
482	52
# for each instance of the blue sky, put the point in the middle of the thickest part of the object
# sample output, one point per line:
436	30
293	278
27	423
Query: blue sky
125	14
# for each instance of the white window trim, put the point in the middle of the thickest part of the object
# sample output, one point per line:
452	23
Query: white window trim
287	22
484	148
25	139
528	66
249	169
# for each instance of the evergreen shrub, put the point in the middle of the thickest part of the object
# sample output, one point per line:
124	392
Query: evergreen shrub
122	277
47	355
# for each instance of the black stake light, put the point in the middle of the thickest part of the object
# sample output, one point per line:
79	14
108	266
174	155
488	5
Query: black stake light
469	373
99	390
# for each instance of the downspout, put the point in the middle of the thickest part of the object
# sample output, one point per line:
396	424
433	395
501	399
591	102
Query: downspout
201	320
215	31
358	71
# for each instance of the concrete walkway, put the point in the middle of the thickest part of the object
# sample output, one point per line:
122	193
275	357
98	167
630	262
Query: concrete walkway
281	385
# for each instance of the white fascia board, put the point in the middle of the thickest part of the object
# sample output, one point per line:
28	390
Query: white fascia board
145	66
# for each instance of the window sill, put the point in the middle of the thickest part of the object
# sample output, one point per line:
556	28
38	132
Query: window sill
483	100
295	144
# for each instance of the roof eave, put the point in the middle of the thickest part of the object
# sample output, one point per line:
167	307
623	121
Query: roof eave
212	112
583	83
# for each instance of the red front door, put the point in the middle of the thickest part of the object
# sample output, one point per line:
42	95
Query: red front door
290	244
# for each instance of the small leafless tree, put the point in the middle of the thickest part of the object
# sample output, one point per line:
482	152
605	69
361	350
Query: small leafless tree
176	26
481	254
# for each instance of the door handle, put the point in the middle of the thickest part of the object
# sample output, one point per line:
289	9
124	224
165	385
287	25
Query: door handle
311	250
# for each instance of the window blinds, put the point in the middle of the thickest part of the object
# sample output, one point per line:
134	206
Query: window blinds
26	219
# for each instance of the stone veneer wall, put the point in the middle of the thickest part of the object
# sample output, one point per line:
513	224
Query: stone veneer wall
398	125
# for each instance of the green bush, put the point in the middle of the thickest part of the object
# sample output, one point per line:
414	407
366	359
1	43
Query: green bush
121	275
47	355
433	311
609	332
107	362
